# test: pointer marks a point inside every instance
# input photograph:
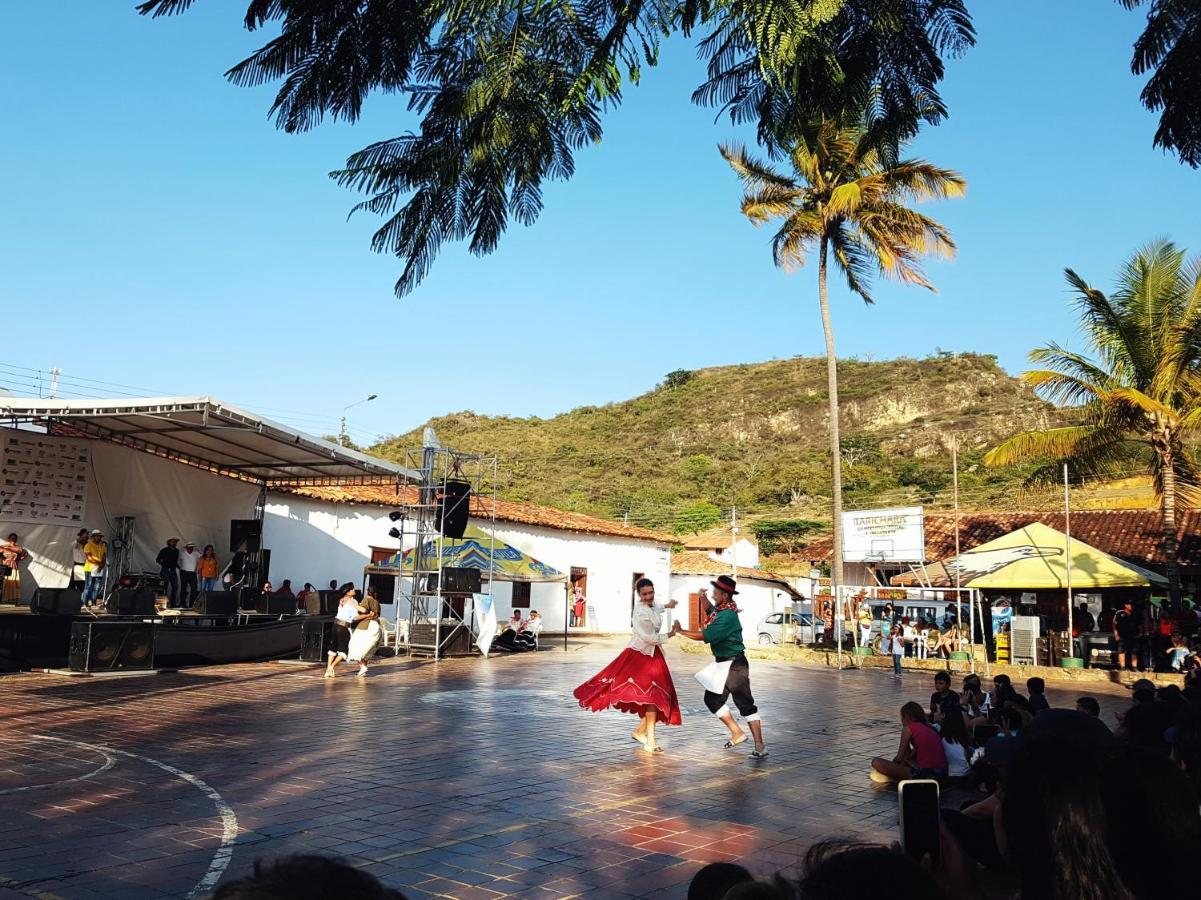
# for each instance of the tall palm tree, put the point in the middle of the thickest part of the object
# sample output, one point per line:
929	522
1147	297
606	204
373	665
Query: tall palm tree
847	196
1140	397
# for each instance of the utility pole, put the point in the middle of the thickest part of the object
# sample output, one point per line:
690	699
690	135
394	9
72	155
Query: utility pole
1067	530
54	373
734	543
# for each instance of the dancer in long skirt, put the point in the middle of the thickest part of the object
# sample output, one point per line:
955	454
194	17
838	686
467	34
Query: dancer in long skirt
638	681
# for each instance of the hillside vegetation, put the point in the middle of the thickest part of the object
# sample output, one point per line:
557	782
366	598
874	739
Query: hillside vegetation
754	436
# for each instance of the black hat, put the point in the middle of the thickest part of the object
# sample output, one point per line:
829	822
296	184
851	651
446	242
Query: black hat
726	583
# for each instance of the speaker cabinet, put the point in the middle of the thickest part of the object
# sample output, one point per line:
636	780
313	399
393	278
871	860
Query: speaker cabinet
111	646
216	603
57	601
275	604
132	602
321	603
316	639
455	641
456	581
454	509
245	531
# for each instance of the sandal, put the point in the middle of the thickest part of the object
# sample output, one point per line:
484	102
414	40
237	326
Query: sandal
647	748
759	754
731	744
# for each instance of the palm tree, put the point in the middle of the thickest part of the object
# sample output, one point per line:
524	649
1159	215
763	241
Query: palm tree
847	197
1140	397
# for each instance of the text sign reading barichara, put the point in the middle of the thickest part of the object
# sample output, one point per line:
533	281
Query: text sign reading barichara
884	535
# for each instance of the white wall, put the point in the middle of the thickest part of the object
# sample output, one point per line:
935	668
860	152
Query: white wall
314	540
756	599
166	498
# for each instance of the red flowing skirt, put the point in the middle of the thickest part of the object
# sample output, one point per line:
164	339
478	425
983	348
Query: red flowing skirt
629	683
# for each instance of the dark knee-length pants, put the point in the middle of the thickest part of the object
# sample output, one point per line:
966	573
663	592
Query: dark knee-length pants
738	688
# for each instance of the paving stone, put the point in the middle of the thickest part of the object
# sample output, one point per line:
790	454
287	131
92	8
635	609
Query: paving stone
468	778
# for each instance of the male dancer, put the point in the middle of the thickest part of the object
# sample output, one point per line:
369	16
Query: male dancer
723	634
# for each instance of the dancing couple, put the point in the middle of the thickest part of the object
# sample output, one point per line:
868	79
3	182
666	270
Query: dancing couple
639	682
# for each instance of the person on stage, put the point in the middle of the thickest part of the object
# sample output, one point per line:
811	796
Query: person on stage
723	634
12	554
78	560
168	568
189	584
638	681
348	611
208	569
95	554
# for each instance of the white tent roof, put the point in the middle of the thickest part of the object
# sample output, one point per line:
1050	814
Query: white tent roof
208	434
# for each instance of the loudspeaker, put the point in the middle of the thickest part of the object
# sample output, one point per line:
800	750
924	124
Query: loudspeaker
245	531
454	508
57	601
107	646
275	604
216	603
321	603
423	637
132	602
456	581
316	639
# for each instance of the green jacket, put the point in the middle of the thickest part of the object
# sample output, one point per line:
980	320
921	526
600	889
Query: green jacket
724	634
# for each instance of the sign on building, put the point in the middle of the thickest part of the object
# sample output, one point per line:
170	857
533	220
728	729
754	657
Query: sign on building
884	535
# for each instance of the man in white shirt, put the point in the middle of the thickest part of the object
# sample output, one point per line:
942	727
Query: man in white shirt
78	559
187	575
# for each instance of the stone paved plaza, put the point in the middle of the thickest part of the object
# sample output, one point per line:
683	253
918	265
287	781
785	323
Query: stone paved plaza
466	778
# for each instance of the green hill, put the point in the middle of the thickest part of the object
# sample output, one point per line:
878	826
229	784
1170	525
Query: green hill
754	435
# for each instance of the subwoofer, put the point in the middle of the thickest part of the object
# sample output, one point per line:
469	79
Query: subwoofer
132	602
316	639
57	601
216	603
455	641
275	604
111	646
456	580
321	603
454	508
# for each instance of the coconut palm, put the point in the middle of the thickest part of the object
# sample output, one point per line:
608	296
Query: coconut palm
1139	396
847	197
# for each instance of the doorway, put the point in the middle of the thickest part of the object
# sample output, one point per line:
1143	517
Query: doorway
578	601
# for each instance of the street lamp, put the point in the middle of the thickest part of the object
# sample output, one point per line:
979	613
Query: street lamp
342	431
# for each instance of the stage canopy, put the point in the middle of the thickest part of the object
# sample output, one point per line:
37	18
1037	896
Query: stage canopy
479	550
1030	559
207	434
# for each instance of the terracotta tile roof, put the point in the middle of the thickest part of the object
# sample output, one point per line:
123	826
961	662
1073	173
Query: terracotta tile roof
506	511
714	537
695	562
1129	534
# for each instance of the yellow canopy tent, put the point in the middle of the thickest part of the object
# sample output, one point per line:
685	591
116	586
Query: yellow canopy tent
1031	559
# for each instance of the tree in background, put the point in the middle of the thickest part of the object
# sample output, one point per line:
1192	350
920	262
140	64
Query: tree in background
846	196
785	536
1171	46
1139	395
508	90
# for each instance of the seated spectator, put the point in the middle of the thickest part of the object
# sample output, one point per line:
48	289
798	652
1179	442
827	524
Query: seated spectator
715	880
956	744
285	588
1178	654
977	702
507	639
844	870
1089	706
306	878
943	701
920	754
1038	700
527	638
1002	691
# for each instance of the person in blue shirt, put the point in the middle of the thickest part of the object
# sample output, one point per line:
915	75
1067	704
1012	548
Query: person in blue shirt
723	634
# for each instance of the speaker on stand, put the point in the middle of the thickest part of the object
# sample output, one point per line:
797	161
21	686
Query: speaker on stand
453	509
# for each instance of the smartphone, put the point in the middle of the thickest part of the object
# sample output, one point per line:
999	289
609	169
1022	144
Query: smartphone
981	733
918	798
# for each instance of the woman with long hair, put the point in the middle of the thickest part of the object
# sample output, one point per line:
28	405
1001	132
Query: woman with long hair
348	611
208	569
638	681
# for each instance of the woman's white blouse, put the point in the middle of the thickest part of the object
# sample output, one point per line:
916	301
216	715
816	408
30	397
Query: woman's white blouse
647	622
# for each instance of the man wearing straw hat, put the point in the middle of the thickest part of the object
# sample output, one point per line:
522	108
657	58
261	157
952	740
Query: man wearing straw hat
730	671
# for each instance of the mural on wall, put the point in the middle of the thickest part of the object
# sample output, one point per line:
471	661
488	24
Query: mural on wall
978	563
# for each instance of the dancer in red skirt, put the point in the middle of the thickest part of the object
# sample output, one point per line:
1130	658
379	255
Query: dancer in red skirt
638	681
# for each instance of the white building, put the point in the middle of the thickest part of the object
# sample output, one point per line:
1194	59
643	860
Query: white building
605	558
721	544
759	593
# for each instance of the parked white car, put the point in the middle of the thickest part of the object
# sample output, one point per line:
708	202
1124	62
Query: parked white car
803	628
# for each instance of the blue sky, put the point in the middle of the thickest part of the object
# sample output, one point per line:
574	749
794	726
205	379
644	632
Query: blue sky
156	231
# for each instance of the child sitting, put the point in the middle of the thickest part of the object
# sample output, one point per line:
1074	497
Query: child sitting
920	755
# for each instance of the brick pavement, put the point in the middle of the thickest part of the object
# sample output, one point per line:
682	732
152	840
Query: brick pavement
467	778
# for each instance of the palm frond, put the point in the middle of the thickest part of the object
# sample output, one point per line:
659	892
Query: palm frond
1054	443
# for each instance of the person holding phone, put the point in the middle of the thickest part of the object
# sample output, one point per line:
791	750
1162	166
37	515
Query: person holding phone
920	755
